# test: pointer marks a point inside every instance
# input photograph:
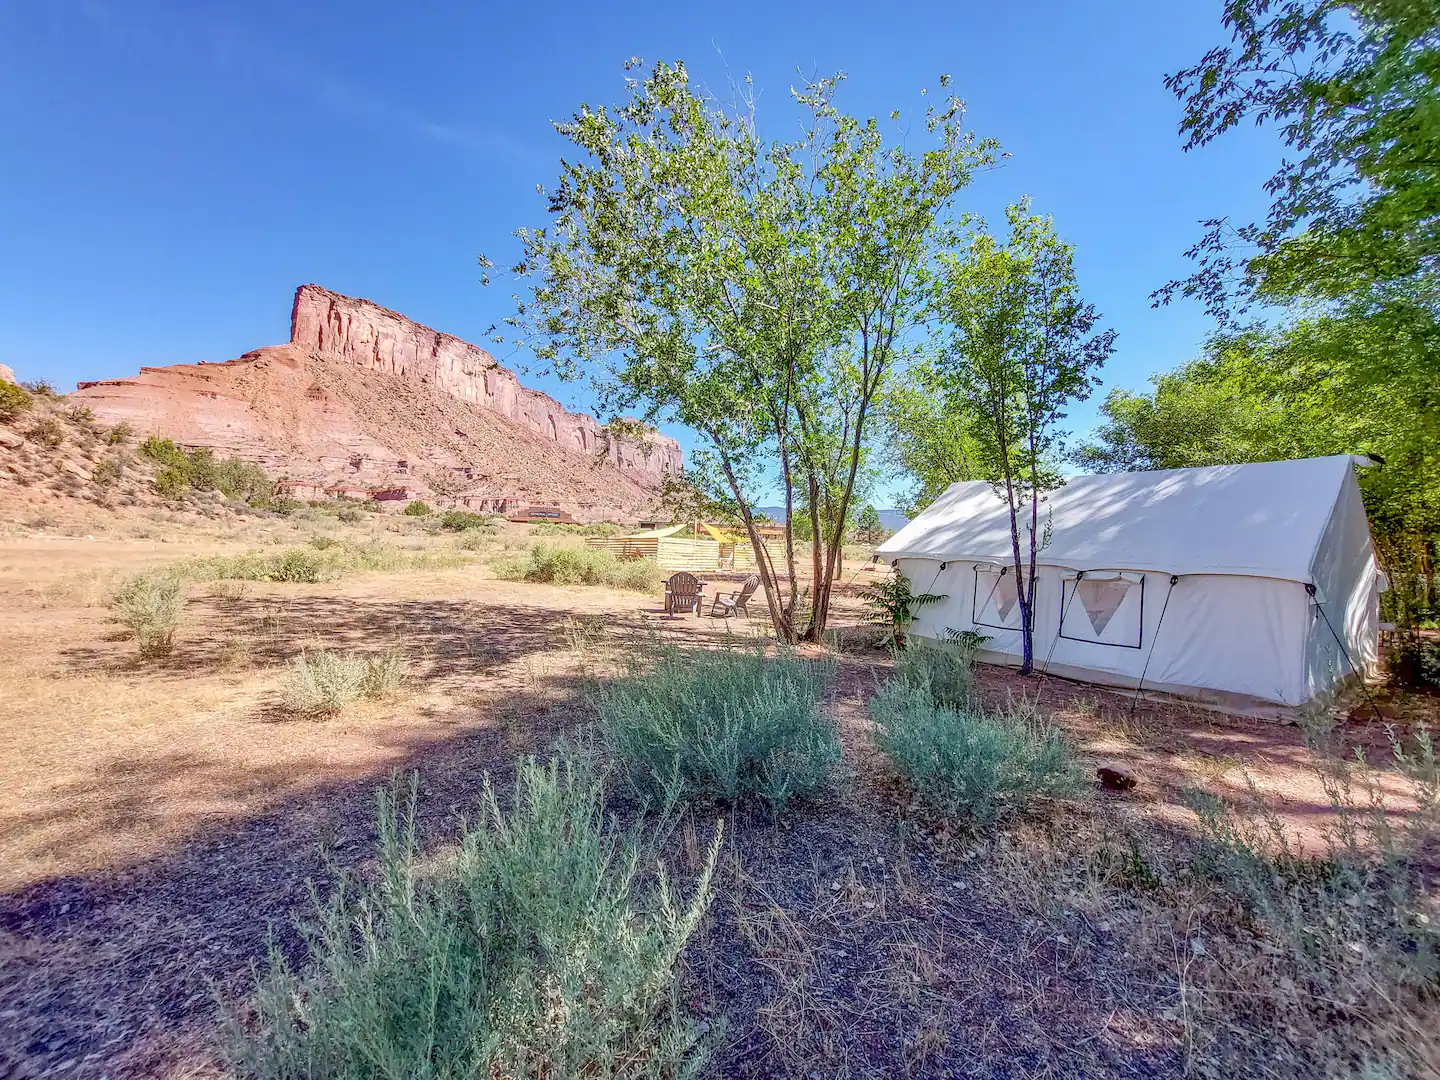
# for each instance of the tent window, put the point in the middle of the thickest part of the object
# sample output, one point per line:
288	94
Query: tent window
996	601
1104	607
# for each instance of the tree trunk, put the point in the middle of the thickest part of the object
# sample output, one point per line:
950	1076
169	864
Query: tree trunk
779	619
1022	594
1027	658
817	623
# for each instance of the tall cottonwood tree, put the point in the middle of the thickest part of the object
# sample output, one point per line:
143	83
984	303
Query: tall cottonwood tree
755	291
1022	346
1353	89
1350	244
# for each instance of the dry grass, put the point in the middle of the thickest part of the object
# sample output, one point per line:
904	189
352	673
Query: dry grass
157	818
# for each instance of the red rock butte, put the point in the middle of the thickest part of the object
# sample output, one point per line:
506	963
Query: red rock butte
364	403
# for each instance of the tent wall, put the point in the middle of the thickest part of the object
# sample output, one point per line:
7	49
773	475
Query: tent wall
1348	585
1226	638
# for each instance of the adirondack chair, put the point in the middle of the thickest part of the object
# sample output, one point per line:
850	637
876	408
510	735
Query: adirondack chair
682	593
730	603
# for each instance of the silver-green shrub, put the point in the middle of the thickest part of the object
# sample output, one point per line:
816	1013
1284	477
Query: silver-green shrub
944	671
970	762
150	606
546	947
728	725
323	682
558	565
1349	932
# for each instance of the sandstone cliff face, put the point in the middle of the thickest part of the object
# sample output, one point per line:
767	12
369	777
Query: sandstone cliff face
366	403
377	339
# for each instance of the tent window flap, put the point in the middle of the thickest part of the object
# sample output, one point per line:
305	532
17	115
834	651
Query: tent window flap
996	600
1104	607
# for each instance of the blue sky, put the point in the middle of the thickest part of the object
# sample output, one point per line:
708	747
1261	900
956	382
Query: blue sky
170	171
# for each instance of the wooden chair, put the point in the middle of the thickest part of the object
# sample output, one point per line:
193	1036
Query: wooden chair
730	603
682	593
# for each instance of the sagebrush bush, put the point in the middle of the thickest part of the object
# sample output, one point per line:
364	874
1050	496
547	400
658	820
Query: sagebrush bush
298	564
979	764
1351	936
14	400
416	508
324	682
107	471
313	564
120	433
474	541
556	565
150	607
545	948
944	671
730	725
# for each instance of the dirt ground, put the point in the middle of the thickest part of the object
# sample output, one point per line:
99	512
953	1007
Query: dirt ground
159	819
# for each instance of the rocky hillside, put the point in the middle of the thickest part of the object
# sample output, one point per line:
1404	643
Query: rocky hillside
364	403
61	469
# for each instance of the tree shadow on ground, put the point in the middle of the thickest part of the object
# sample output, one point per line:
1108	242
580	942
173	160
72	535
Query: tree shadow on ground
113	971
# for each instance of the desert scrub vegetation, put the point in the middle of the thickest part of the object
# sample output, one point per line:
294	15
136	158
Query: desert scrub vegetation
416	508
47	431
465	521
942	671
1342	947
557	565
14	400
150	607
183	471
564	528
730	726
325	560
547	944
107	471
967	761
323	682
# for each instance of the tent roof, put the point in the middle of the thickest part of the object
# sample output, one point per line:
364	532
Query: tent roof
652	534
1261	520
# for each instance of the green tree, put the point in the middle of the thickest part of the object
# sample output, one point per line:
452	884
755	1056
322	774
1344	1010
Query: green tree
1223	408
929	433
1322	385
1023	345
868	527
757	292
1354	88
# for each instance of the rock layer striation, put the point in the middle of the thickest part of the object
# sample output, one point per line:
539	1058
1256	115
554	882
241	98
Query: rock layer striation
363	402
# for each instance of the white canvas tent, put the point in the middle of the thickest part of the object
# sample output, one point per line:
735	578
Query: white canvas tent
1219	583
